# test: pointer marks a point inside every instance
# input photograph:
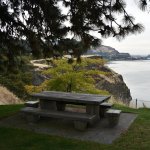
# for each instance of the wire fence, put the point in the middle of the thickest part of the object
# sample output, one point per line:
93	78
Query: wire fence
138	103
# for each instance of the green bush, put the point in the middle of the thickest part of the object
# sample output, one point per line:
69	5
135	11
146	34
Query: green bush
75	77
16	83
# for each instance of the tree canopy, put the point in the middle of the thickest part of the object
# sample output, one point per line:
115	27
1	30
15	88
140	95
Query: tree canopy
143	4
40	25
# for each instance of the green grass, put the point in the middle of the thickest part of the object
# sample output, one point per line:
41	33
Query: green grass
136	138
6	110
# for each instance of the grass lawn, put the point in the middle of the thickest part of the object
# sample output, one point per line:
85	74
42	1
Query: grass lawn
136	138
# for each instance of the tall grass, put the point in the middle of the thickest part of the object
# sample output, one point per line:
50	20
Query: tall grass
6	97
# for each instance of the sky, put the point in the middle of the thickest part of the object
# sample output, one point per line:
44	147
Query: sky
138	44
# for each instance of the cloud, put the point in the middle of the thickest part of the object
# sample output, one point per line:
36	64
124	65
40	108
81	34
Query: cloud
134	44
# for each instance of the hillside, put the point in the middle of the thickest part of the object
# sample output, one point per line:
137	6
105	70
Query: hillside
6	97
108	53
105	50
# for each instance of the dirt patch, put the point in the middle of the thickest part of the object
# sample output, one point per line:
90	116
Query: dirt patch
7	97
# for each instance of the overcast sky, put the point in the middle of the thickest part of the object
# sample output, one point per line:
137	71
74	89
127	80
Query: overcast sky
138	44
134	44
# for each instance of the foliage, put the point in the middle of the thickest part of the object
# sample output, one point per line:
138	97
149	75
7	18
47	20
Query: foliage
34	89
15	82
143	4
38	27
13	65
71	77
85	63
15	76
97	72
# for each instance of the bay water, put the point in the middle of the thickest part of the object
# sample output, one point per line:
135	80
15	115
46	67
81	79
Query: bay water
136	75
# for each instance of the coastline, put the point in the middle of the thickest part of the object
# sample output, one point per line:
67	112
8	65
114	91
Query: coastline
136	75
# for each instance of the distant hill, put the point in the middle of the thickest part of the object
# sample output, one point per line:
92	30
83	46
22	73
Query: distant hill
108	52
103	50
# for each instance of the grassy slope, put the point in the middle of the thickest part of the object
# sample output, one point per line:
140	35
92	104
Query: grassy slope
7	97
137	137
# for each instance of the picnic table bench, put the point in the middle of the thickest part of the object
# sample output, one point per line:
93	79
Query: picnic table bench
104	107
81	120
113	116
52	104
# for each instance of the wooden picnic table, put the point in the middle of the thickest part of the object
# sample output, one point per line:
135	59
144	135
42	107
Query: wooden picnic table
52	100
52	105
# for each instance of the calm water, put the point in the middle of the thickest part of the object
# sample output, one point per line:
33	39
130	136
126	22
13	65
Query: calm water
136	75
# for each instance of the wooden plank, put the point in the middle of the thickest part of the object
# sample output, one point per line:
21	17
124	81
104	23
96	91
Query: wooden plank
71	97
58	92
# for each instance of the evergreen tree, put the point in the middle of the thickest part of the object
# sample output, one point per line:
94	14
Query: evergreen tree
143	4
41	24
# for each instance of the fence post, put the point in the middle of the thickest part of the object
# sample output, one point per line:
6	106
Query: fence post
136	103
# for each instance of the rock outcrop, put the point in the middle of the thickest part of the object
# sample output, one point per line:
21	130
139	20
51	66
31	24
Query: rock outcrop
115	85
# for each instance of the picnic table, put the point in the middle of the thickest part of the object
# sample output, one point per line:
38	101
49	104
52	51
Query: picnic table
53	104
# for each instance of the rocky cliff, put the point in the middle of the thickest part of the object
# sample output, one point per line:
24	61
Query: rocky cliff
116	86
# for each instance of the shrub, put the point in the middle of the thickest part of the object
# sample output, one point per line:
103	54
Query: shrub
16	83
73	77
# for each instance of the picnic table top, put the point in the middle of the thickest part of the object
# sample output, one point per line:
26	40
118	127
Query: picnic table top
71	97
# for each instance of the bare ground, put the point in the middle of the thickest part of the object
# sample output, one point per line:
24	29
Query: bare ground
7	97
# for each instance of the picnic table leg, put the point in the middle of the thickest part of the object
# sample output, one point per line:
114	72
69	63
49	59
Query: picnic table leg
60	106
48	105
93	110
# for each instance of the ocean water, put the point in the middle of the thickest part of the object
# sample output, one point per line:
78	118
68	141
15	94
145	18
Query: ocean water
136	75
